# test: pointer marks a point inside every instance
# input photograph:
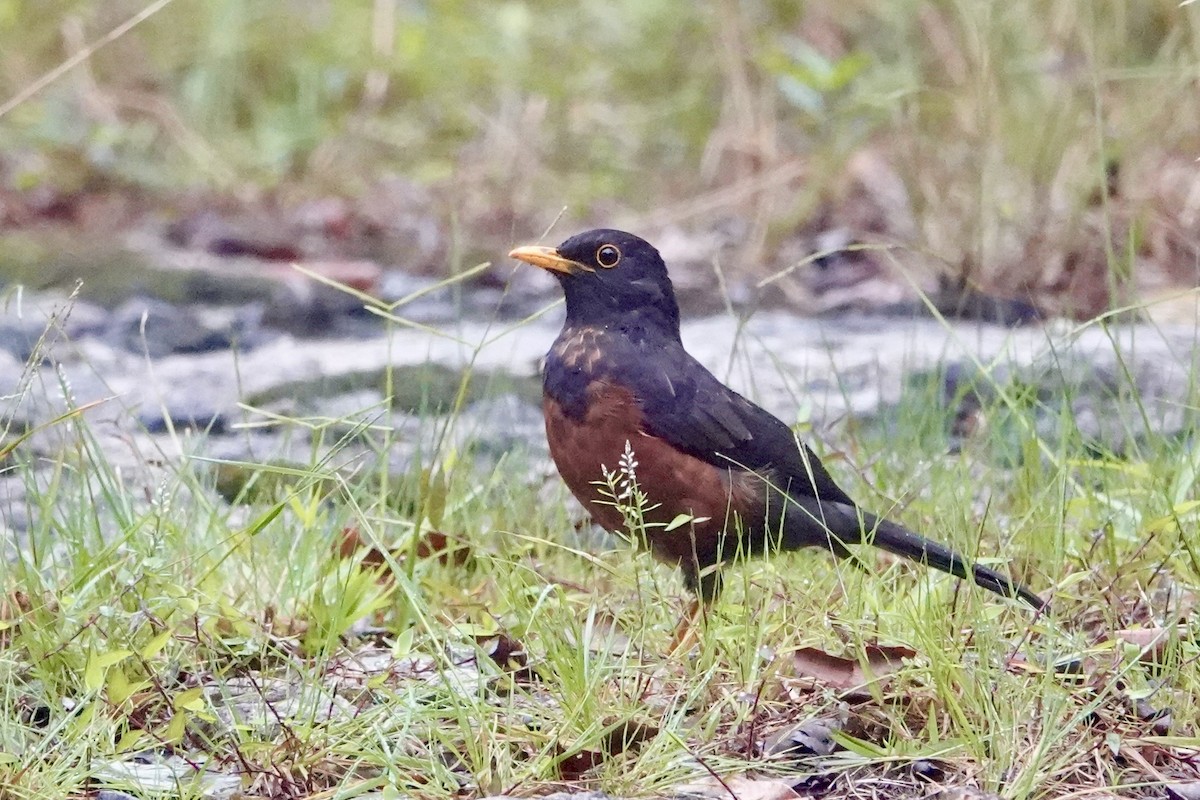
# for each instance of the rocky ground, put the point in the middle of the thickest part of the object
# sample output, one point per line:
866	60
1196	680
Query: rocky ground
177	379
228	360
190	333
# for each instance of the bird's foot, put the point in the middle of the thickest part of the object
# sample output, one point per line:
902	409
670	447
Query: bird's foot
686	636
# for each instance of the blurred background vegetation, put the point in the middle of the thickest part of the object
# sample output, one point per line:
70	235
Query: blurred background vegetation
1038	145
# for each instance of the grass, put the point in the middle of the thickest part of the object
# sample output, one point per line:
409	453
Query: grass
316	638
1041	148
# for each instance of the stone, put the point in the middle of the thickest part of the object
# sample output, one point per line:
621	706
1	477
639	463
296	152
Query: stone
157	328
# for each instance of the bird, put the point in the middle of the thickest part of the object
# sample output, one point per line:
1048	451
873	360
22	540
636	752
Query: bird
722	479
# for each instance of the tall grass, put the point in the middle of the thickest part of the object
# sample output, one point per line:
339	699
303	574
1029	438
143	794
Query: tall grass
1031	146
144	616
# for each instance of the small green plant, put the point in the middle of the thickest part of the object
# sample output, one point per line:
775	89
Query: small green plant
621	487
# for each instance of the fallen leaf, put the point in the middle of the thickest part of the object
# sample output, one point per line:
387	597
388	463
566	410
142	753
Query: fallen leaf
433	544
621	736
740	787
626	735
447	550
848	673
1151	641
282	625
576	765
508	654
350	543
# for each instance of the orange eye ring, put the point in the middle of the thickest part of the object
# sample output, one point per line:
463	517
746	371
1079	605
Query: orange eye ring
608	256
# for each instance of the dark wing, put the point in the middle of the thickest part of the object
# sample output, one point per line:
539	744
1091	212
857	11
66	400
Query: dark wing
684	404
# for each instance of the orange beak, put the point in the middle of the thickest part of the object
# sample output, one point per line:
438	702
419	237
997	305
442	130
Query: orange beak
547	258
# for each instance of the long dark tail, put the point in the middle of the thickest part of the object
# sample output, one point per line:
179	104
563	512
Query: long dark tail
835	526
903	542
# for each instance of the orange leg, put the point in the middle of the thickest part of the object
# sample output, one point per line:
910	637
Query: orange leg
686	637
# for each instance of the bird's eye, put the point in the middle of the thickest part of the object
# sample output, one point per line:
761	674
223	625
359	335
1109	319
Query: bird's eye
608	256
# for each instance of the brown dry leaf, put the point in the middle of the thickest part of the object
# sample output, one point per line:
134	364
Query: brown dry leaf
16	604
1152	641
1134	754
627	734
432	544
282	625
12	607
576	765
142	708
447	549
621	736
741	787
350	543
508	653
849	673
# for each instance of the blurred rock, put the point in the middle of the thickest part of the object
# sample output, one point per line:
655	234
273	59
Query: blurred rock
813	737
199	412
10	373
113	794
497	426
14	515
1183	791
430	302
1172	307
960	301
796	367
18	335
26	318
158	328
254	235
398	221
148	776
303	307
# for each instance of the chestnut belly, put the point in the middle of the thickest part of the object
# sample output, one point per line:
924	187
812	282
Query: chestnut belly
722	502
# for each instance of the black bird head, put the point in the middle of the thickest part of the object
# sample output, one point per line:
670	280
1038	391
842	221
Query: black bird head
611	279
